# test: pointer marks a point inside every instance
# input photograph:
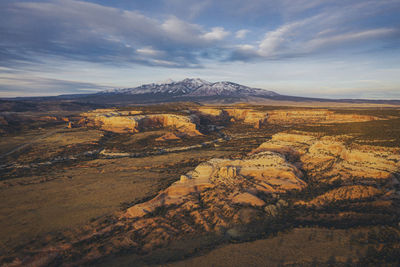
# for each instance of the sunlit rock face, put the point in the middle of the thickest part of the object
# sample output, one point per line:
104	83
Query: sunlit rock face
329	159
314	116
257	118
216	112
344	193
132	122
245	179
252	117
248	116
216	193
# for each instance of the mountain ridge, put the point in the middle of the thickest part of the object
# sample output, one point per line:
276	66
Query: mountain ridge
193	87
191	90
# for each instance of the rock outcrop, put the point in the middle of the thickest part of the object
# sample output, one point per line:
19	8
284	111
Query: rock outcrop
328	158
167	137
217	192
257	118
314	116
130	122
262	173
134	121
344	193
247	116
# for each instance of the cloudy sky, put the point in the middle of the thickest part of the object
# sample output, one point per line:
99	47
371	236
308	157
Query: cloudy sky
321	48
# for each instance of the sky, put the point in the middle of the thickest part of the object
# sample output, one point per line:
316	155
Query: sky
312	48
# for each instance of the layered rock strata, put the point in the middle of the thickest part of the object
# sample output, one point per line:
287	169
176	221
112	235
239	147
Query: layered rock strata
314	116
131	122
344	193
329	159
257	118
259	174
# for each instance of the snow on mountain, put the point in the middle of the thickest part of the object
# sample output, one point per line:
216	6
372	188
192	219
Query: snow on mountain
194	87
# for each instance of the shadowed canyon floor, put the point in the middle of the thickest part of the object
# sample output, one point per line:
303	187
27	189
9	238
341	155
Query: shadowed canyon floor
183	184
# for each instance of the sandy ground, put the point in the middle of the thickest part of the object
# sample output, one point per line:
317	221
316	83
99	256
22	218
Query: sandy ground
307	245
74	195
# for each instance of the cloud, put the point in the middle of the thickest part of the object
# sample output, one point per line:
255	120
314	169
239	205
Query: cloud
91	32
216	34
273	40
181	31
39	86
188	8
240	34
84	31
350	37
326	32
149	51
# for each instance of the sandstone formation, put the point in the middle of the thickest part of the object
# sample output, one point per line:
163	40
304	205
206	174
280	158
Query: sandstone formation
314	116
262	173
167	137
135	121
257	118
129	122
248	116
215	112
348	193
328	158
247	199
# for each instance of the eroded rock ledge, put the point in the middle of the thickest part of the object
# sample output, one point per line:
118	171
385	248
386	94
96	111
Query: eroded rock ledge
233	181
328	159
133	122
258	118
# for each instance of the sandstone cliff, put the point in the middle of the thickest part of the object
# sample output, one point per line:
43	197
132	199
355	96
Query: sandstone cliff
257	118
314	116
247	116
329	159
128	121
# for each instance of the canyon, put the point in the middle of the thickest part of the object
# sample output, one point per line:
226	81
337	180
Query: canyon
134	121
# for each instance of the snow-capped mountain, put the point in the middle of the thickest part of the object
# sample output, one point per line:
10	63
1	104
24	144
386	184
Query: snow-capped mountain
193	88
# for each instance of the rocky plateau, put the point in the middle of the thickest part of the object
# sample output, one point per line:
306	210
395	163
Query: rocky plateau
134	121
